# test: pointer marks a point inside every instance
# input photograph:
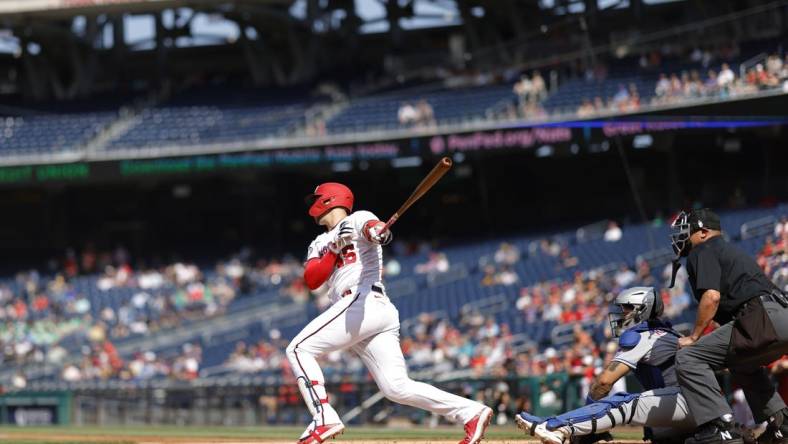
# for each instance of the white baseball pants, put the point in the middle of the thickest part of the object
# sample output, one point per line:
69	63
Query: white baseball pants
367	323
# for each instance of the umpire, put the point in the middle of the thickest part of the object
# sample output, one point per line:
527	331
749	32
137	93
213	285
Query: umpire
752	312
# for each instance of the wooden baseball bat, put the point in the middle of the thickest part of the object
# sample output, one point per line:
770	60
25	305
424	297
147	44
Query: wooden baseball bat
434	176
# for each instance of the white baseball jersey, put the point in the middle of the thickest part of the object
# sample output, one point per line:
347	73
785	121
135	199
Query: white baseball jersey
360	263
366	323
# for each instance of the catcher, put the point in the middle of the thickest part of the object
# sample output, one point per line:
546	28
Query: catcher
647	347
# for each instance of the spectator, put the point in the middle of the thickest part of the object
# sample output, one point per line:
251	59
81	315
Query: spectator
567	259
634	99
507	254
711	86
489	330
676	88
781	227
533	110
725	79
523	89
694	86
316	127
550	247
489	276
437	263
507	276
644	276
538	87
686	85
621	98
774	65
624	277
524	300
662	90
784	74
613	232
407	114
425	116
764	79
599	104
585	109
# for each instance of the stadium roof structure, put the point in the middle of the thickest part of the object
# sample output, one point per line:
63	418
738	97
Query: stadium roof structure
83	46
67	8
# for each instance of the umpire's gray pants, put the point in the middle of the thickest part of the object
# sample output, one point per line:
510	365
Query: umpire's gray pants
695	366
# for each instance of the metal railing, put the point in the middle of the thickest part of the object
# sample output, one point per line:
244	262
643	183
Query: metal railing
488	306
258	402
758	227
751	62
591	232
656	258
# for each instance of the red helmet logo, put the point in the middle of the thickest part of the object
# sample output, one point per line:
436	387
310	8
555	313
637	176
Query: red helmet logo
328	196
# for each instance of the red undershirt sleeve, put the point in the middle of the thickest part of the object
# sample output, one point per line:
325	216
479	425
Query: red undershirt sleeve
318	270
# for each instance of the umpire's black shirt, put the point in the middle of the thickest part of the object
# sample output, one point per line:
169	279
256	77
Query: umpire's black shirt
718	265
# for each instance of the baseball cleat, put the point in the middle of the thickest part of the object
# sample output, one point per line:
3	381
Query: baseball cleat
527	423
777	436
475	428
776	429
717	431
557	436
321	433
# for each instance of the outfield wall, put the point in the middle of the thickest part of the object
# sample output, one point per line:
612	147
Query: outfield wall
249	404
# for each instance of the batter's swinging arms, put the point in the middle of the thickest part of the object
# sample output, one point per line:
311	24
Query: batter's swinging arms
348	257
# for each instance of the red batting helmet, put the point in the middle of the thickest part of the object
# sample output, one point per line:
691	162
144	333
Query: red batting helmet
328	196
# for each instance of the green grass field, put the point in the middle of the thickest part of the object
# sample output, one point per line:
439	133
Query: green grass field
174	434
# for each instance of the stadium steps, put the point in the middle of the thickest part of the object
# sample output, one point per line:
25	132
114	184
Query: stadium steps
129	117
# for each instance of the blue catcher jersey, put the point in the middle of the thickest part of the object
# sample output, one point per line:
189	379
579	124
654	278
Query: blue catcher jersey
650	351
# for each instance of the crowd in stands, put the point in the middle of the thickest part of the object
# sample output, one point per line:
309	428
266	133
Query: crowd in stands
725	83
706	73
626	99
265	355
672	88
437	263
38	313
773	257
530	89
530	93
100	361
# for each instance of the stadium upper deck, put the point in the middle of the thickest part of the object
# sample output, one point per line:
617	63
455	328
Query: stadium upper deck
227	119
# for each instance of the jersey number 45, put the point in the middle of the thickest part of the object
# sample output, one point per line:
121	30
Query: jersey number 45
347	256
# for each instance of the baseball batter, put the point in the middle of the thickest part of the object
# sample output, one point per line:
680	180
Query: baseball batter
647	347
348	258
